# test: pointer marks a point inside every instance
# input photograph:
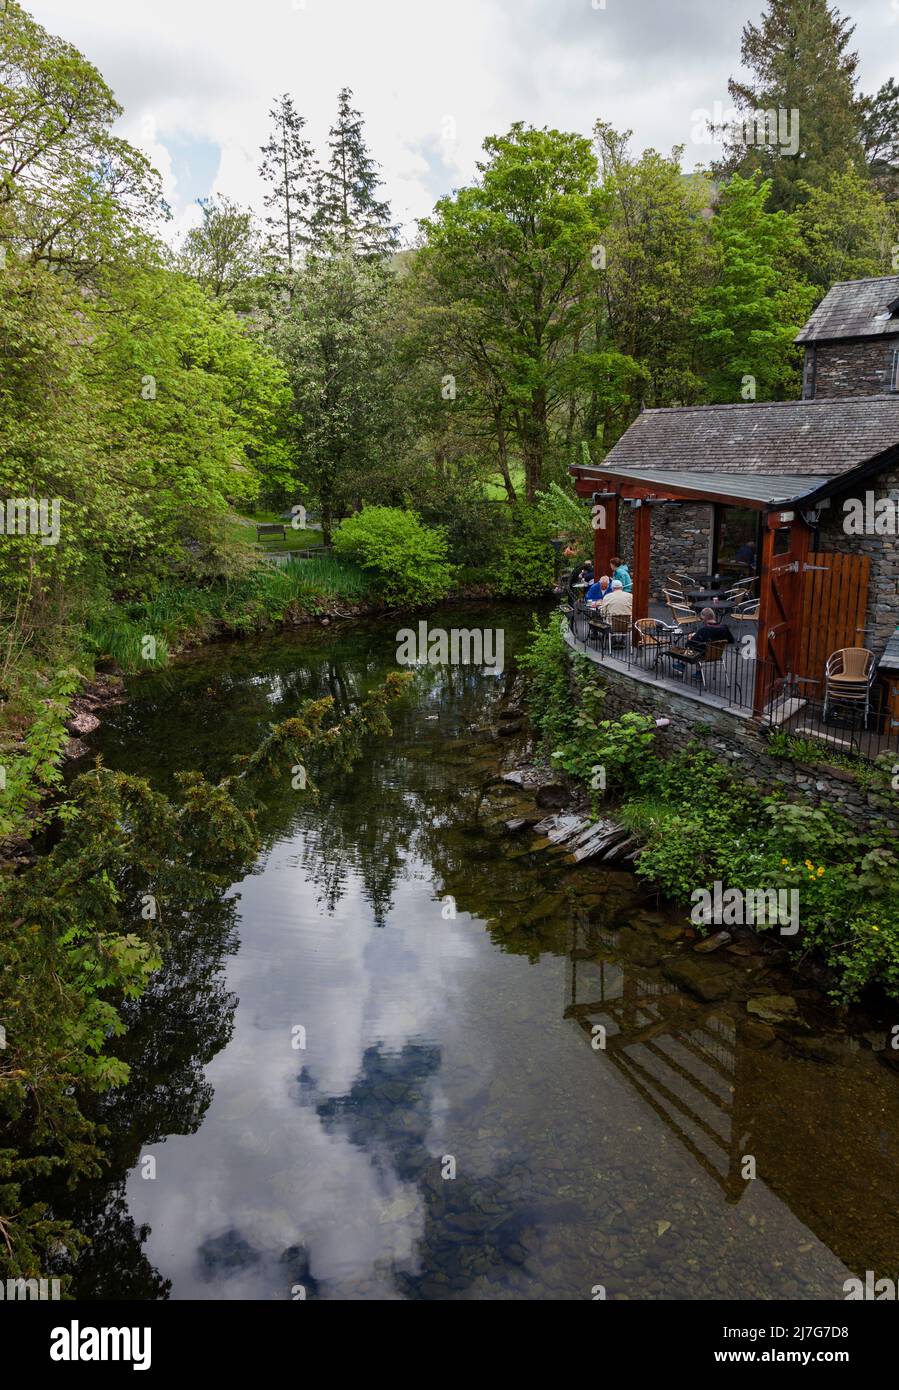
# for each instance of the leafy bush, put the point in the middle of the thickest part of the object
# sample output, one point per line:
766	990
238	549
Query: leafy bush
524	564
546	664
407	559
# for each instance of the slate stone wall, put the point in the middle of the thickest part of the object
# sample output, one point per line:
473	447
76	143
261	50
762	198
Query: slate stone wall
738	743
859	368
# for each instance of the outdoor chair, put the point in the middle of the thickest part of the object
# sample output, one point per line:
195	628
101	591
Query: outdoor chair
711	655
746	612
620	625
599	630
682	614
646	635
848	678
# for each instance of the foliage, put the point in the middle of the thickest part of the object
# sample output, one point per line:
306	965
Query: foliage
749	315
347	210
700	824
799	62
847	228
407	559
523	565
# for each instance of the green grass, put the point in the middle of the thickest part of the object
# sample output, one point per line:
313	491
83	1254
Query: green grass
241	530
495	488
177	614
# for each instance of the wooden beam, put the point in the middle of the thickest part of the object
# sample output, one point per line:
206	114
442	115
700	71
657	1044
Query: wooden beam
605	537
642	538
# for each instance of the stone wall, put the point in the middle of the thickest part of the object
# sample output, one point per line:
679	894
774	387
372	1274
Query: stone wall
737	741
859	368
681	539
883	586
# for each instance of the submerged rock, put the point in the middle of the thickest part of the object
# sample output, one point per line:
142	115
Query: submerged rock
702	981
713	943
773	1008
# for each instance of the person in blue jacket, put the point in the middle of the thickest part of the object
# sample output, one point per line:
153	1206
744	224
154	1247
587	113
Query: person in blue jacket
597	592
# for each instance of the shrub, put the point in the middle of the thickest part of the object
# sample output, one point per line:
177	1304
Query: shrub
524	564
407	559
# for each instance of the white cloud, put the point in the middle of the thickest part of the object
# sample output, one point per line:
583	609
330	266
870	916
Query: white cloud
208	70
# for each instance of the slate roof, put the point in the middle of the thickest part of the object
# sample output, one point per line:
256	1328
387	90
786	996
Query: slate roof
853	309
790	439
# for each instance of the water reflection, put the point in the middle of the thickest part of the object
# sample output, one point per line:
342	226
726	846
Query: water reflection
325	1171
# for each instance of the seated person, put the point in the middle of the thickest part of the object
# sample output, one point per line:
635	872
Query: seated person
597	592
617	601
709	630
621	572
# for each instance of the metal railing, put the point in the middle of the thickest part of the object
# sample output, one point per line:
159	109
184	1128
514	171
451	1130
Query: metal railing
729	679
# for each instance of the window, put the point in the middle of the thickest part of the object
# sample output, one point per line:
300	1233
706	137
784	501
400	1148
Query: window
894	371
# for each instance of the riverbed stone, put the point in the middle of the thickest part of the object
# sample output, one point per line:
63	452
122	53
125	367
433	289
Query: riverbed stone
707	981
773	1008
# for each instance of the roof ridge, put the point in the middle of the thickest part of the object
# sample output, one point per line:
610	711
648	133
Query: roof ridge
863	280
756	405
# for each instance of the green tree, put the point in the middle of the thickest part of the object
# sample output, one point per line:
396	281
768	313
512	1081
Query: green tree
347	210
748	317
848	230
658	259
223	253
799	61
336	347
508	262
880	137
288	168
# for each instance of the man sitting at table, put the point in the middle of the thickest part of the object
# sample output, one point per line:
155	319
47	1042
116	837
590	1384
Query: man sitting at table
597	592
709	630
617	601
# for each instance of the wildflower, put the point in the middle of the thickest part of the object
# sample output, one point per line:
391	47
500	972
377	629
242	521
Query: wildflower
784	861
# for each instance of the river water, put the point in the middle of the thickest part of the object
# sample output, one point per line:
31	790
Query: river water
369	1069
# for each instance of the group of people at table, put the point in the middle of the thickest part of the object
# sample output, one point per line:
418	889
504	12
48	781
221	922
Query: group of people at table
613	595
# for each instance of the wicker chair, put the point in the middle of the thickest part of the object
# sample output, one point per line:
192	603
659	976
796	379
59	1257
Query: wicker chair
746	612
712	654
848	678
682	614
646	631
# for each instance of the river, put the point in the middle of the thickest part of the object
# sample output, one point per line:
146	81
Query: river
369	1069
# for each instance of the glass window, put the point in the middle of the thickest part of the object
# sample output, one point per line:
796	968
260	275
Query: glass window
736	540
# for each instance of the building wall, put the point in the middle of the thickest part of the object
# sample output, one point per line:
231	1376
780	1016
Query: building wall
860	368
681	540
738	742
882	616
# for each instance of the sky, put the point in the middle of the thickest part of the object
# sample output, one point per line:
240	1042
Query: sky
197	78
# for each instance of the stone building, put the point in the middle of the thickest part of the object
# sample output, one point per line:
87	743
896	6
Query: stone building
801	497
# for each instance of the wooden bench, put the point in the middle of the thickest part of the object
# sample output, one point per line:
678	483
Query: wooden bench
270	530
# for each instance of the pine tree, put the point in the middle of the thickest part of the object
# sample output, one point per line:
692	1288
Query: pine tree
800	62
347	210
288	167
880	136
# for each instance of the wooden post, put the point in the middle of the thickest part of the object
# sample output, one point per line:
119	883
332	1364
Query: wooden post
642	535
605	538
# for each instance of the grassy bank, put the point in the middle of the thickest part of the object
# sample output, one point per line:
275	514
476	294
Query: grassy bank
182	615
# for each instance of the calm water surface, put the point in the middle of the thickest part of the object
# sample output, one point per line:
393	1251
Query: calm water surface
438	1044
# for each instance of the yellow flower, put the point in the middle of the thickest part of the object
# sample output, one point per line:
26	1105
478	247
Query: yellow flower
784	861
821	871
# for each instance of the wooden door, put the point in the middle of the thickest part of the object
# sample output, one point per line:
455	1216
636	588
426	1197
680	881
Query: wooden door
834	606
